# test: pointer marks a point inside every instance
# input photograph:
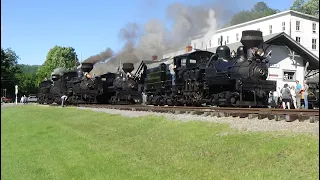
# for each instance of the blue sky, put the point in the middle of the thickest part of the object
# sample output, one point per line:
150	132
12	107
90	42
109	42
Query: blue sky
32	27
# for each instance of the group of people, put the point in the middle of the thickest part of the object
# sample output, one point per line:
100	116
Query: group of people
294	94
23	99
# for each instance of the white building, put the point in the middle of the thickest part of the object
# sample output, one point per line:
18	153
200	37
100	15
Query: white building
301	27
297	31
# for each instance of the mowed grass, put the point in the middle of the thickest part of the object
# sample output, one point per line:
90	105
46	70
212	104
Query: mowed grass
67	143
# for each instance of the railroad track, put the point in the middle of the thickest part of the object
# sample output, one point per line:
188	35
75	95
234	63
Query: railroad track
311	115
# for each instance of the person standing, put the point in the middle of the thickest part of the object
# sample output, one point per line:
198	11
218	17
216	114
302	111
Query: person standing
286	96
305	94
276	96
22	100
63	100
172	72
298	94
293	95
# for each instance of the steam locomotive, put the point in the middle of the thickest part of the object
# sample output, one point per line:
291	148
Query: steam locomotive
77	85
200	77
203	77
81	88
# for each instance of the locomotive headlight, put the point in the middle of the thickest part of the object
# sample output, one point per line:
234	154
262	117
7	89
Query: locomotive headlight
262	72
260	52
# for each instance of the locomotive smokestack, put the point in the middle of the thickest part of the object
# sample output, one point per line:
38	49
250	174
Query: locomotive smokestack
86	67
154	58
127	67
188	48
251	38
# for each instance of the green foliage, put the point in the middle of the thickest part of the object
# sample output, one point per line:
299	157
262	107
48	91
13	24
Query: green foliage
13	74
259	10
66	143
25	68
27	83
57	57
9	70
310	7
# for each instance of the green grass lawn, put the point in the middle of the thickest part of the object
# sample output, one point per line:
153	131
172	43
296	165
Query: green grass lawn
67	143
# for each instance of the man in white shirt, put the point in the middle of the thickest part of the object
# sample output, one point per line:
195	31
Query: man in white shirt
172	72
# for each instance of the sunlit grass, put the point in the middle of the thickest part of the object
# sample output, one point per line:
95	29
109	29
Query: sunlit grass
66	143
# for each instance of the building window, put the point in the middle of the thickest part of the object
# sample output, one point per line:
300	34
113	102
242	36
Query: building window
202	45
227	39
298	39
314	43
298	25
283	26
289	75
210	43
237	37
194	46
270	29
314	27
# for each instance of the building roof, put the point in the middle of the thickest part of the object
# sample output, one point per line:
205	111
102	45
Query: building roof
282	39
291	12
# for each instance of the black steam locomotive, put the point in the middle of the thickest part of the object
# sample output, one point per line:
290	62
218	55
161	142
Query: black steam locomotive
78	86
200	77
81	88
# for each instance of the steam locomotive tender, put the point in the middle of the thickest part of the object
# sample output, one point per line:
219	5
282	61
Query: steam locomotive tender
202	77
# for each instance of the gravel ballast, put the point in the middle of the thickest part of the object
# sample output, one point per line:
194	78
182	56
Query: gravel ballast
255	124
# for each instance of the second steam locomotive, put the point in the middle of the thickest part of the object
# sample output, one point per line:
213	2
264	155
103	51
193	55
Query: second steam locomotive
192	79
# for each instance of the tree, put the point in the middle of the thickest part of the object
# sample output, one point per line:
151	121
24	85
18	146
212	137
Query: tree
25	68
310	7
9	70
259	10
57	57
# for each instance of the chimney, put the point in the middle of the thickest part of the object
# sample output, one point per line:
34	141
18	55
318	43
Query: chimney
188	48
154	58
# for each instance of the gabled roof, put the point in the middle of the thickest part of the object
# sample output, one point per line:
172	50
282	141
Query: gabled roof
283	39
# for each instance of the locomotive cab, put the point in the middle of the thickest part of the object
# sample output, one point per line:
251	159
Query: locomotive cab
224	61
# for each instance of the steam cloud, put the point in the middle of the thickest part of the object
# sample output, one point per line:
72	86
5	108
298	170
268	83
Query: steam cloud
99	57
142	42
59	71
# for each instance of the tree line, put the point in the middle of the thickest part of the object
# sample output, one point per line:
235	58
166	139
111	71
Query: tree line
28	77
261	9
